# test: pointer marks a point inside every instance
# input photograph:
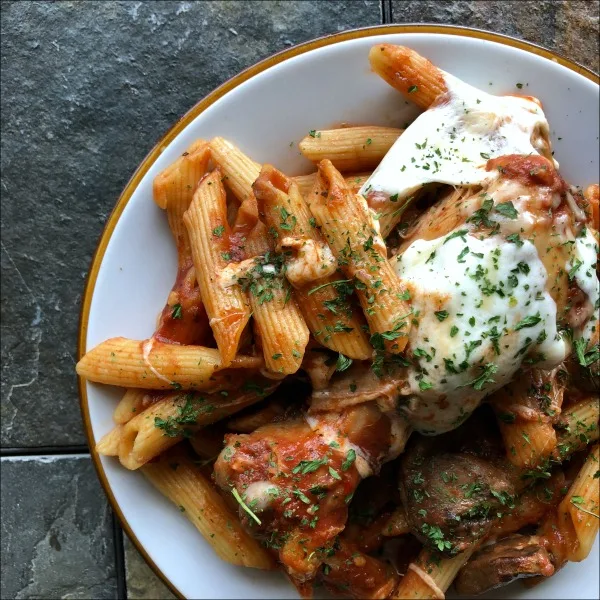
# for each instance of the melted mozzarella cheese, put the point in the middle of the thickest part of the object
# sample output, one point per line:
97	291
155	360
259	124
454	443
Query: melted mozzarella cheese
583	266
260	495
482	309
452	142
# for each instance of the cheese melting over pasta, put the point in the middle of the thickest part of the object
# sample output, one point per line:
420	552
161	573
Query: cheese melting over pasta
582	266
482	309
482	304
452	142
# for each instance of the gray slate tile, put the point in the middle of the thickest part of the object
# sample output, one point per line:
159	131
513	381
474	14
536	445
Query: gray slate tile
570	28
57	537
142	583
88	88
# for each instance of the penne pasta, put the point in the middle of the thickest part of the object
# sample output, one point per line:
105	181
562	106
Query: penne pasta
397	524
208	442
578	426
430	575
239	171
350	148
410	73
132	403
154	365
281	330
165	423
208	229
174	187
310	267
176	476
525	409
353	237
353	180
580	509
262	416
109	443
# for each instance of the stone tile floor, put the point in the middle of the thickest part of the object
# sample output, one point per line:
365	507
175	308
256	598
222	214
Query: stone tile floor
87	89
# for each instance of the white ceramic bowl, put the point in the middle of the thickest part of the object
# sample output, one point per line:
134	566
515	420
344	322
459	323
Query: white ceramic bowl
262	110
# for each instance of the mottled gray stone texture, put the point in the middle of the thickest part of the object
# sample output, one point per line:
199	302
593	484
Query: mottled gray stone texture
57	536
570	28
87	90
142	583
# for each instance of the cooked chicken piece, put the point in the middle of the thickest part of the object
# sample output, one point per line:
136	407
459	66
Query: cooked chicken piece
294	480
498	564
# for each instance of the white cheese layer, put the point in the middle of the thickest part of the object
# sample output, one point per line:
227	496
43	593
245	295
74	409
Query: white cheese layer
452	142
582	267
482	310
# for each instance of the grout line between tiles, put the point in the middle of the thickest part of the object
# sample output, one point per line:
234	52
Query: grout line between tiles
386	11
119	559
44	451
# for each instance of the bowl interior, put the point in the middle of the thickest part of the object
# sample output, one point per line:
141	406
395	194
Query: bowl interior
266	116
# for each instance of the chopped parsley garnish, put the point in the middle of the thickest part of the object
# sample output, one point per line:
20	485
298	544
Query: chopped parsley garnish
425	385
336	283
586	358
308	466
507	209
219	231
441	315
187	415
514	239
530	321
244	505
176	312
412	89
460	233
343	363
484	378
436	537
349	460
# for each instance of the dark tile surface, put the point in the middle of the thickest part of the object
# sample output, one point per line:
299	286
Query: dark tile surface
142	583
57	537
88	88
570	28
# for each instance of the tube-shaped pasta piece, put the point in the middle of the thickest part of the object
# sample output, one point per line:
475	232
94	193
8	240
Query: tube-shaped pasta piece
578	426
226	306
528	443
239	170
109	443
208	442
133	402
174	187
281	329
346	221
350	148
581	506
430	575
247	423
194	495
410	73
310	266
153	365
592	197
525	409
354	181
397	524
165	423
